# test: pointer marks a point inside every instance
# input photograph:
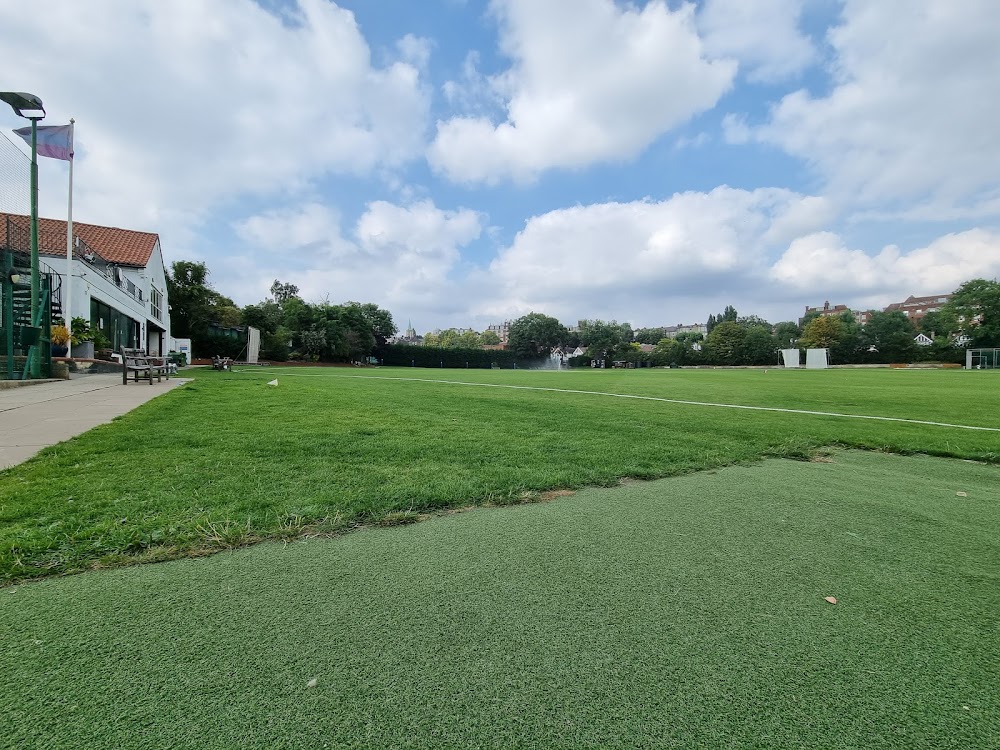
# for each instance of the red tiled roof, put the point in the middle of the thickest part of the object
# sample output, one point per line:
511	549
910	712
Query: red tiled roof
125	247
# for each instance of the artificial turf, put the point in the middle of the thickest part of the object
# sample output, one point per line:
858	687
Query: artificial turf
228	460
686	613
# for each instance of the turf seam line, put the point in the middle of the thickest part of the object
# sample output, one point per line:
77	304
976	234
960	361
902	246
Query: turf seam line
655	398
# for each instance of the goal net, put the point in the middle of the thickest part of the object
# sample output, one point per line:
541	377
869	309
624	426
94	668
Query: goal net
982	359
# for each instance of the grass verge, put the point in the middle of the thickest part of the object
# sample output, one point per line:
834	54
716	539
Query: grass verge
227	460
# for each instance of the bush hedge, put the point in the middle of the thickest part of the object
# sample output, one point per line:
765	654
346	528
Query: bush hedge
406	355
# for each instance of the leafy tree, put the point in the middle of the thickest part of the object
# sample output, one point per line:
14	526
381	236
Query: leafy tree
725	343
274	345
190	297
452	339
689	337
890	334
822	332
976	305
194	304
283	292
266	316
942	322
609	339
728	315
489	338
534	334
809	317
348	331
229	315
314	342
379	320
787	334
852	346
649	335
677	351
759	347
750	321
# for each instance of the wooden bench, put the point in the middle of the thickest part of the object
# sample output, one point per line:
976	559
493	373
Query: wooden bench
143	365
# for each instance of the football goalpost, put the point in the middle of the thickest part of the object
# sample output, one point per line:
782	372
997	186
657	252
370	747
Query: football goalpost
982	359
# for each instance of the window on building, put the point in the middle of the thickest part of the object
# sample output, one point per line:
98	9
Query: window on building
156	303
117	327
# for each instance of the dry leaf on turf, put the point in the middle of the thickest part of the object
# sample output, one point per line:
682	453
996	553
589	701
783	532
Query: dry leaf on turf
831	599
311	683
961	494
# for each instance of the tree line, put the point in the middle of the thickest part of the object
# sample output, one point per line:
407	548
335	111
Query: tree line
325	332
290	328
887	337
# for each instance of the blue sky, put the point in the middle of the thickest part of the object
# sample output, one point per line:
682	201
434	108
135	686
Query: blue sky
464	162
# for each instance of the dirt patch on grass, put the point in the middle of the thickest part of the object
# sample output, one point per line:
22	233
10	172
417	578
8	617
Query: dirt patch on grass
553	494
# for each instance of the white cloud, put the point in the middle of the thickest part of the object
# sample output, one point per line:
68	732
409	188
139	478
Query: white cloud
402	257
763	35
590	82
822	262
416	50
911	116
638	259
677	260
182	106
314	226
472	92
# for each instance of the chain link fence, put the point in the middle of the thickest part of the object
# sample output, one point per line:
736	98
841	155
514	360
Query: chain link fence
15	178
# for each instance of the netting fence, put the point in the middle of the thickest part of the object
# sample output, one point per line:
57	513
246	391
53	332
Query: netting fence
15	178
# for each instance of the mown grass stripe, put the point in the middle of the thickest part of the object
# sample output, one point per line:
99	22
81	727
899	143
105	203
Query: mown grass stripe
660	399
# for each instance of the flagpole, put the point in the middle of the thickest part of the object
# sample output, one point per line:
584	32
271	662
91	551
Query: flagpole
68	309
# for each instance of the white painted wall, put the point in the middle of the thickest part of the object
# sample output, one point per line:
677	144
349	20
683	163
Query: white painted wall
89	282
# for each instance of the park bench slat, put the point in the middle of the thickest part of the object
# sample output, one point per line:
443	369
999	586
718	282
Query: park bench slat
140	364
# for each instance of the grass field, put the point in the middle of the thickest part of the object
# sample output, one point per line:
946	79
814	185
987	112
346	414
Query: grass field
228	460
683	613
687	612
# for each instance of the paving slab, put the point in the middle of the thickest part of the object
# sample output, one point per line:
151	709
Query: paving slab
32	418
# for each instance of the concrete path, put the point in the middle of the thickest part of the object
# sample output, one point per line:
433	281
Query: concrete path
35	416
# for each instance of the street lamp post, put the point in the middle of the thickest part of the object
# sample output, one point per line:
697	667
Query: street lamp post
23	103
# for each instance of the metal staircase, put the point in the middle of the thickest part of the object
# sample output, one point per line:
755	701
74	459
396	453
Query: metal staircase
24	334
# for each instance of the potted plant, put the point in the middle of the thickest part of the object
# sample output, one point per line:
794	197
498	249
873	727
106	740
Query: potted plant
59	338
82	338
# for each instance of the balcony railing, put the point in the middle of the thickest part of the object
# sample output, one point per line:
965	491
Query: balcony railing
17	237
101	264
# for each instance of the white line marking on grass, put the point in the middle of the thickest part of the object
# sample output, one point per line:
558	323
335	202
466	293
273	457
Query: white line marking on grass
653	398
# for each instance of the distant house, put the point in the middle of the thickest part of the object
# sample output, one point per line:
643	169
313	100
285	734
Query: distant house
861	317
671	332
922	339
502	330
117	279
566	352
825	311
917	307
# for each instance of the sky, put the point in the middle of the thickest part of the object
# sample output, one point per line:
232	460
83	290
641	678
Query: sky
465	162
